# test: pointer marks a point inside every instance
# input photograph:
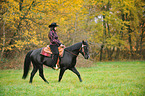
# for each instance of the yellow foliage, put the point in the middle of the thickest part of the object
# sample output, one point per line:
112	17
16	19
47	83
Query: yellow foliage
29	26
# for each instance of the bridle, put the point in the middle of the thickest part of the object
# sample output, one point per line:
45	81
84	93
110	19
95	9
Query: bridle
82	48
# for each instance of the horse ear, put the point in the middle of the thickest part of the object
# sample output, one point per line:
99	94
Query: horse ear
83	42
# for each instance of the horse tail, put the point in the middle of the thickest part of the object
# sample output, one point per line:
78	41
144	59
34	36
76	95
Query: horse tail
27	64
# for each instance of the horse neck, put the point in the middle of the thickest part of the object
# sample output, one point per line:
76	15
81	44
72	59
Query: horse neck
75	48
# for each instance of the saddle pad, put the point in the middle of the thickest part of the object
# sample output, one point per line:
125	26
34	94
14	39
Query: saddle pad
46	51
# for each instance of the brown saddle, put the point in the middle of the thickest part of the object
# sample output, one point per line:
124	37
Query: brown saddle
46	51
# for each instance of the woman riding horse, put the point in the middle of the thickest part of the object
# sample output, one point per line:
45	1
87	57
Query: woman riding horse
54	43
68	61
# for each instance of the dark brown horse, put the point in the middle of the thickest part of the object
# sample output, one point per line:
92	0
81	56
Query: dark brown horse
68	61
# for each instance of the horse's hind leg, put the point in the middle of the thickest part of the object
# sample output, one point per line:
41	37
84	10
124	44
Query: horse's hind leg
33	73
41	73
76	72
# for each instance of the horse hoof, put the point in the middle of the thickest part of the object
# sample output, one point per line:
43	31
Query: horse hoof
47	82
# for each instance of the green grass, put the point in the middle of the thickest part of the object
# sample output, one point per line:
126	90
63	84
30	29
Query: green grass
104	79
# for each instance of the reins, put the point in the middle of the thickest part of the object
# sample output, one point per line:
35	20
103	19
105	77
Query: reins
79	51
72	52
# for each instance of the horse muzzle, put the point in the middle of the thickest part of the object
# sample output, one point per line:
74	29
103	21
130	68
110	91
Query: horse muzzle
87	56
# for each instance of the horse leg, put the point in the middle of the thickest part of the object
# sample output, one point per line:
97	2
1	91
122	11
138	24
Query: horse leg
41	73
76	72
62	70
33	73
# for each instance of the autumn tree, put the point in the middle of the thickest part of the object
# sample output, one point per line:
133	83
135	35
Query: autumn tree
113	28
113	23
25	22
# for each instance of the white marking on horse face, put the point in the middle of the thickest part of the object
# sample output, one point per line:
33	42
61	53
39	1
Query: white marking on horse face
83	45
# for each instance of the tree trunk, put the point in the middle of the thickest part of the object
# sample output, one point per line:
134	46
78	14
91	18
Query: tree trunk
142	36
110	52
4	39
104	31
117	53
20	5
101	52
137	45
130	41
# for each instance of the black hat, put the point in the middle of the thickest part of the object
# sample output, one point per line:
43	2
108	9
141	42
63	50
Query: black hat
53	25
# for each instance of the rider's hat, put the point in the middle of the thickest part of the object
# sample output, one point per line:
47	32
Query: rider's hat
53	25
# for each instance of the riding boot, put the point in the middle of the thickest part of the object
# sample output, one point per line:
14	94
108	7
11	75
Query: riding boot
54	61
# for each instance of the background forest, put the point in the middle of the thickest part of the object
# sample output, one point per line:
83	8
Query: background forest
114	29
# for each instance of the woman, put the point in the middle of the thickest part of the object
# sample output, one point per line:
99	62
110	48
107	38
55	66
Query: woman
54	44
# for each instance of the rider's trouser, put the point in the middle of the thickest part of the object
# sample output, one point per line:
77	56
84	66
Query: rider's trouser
54	49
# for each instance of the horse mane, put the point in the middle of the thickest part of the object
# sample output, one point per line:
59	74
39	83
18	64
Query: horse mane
74	47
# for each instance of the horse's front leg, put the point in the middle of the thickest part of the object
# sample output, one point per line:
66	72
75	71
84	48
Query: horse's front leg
73	69
62	70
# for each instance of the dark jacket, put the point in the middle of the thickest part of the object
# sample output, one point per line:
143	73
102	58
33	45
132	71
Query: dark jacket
54	38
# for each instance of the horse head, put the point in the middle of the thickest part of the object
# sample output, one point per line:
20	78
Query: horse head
85	49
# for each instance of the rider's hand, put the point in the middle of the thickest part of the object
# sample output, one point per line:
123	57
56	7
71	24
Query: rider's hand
62	45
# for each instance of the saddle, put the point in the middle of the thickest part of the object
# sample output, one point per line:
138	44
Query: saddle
46	51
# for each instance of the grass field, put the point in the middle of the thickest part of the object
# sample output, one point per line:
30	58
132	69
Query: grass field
104	79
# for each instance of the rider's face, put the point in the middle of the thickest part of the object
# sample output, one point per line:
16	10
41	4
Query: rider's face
54	28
